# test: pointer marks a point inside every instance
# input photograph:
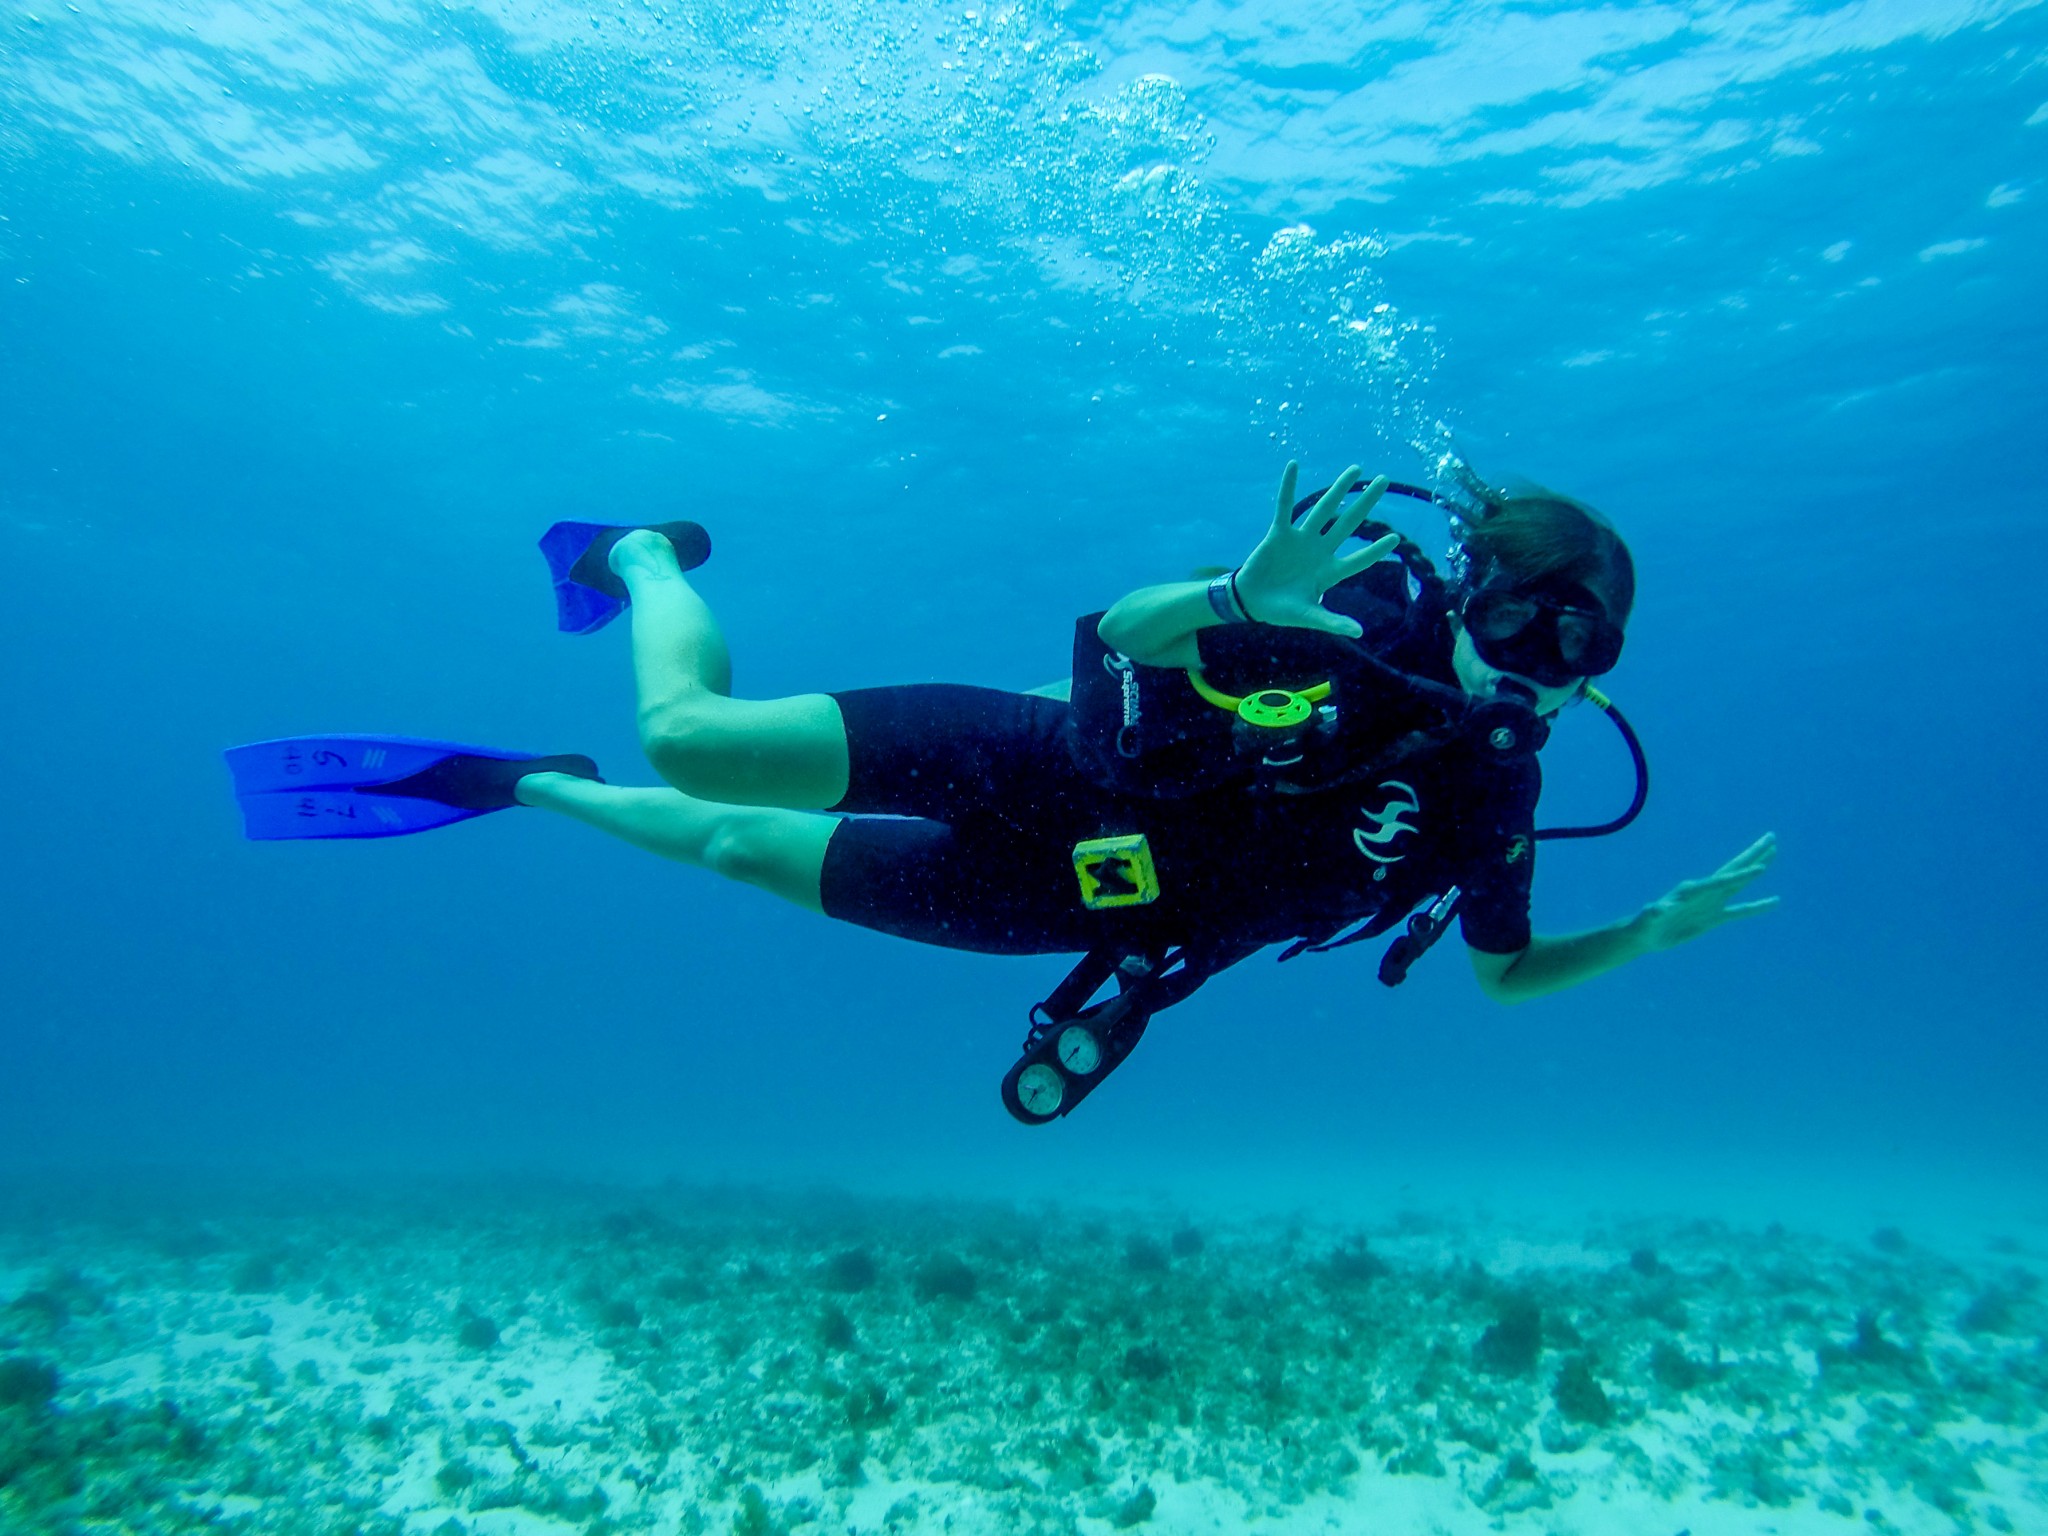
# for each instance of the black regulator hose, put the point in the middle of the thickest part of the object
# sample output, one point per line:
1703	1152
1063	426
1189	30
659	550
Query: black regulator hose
1605	705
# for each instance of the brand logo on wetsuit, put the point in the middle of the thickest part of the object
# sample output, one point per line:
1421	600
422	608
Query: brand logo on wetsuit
1387	823
1127	734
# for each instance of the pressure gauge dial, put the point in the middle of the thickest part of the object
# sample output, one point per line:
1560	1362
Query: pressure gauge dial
1040	1089
1080	1051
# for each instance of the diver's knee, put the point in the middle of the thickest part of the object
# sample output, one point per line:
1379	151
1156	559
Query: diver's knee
679	742
740	848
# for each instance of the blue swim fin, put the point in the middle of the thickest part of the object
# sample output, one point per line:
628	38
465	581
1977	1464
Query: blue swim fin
588	594
376	786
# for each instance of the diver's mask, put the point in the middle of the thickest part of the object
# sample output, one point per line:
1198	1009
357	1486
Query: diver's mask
1553	634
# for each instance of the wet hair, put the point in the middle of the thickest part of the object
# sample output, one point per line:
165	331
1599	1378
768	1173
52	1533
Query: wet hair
1539	538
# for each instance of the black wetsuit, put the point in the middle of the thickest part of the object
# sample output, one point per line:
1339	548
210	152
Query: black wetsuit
999	796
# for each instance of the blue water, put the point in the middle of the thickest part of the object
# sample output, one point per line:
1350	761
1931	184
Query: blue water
954	324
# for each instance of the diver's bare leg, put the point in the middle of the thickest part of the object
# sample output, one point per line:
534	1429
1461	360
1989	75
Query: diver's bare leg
768	752
781	852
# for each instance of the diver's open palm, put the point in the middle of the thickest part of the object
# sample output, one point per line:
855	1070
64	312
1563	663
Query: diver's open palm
1284	579
1696	906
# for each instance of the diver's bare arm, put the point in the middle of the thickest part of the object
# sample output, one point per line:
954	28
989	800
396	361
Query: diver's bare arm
1551	965
1156	625
1689	909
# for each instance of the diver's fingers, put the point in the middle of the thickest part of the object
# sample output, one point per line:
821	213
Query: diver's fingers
1361	509
1751	908
1283	513
1748	864
1347	566
1740	874
1727	880
1328	510
1759	853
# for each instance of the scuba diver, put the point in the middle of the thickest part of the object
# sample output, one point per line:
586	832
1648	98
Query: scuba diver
1305	750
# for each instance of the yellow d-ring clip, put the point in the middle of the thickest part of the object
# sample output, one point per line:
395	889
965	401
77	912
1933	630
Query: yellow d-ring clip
1274	708
1116	872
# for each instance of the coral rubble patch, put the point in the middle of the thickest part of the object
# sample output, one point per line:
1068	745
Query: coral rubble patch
498	1362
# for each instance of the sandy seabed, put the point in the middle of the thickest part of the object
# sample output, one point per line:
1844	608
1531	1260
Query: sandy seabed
525	1359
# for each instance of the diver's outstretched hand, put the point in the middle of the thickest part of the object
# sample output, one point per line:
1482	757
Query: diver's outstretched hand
1284	579
1696	906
